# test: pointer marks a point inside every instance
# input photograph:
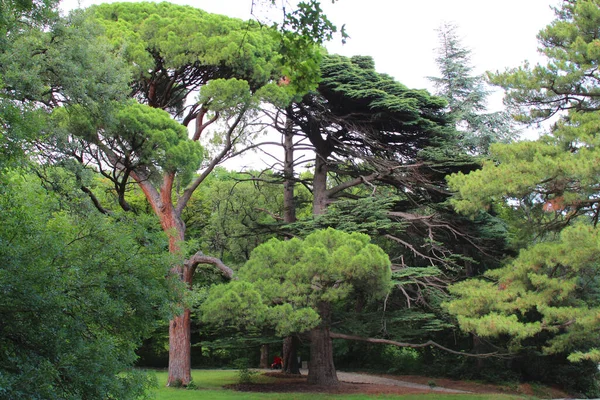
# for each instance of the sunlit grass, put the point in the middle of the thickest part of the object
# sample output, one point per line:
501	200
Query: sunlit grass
210	386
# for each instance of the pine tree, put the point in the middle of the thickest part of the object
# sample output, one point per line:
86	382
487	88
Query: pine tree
467	96
547	297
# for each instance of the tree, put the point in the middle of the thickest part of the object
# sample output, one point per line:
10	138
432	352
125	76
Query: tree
359	114
79	293
466	95
172	51
549	292
293	285
383	150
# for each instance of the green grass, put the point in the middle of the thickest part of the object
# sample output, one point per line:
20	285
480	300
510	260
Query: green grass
210	386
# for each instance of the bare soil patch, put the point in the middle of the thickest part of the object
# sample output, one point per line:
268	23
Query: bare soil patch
288	384
372	384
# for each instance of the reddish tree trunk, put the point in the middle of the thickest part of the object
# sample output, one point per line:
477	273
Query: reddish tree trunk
180	344
180	359
180	349
321	370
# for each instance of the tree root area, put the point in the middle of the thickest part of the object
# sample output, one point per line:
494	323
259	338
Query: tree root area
292	383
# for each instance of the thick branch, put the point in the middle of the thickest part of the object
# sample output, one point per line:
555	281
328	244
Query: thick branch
200	258
352	183
149	190
412	345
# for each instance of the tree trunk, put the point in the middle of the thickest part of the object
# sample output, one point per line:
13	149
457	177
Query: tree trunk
290	343
264	356
180	344
320	186
290	355
321	370
180	359
289	208
180	348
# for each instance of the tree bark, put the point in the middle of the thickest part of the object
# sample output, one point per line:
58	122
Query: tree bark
321	370
289	208
180	359
180	345
290	355
290	343
264	356
180	349
320	199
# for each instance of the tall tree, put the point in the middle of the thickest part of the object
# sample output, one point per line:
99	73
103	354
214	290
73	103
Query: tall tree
549	291
382	151
173	52
467	96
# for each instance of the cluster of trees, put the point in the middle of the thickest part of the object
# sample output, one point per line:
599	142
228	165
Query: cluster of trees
411	214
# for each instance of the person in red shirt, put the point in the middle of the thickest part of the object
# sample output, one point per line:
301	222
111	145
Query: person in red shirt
277	363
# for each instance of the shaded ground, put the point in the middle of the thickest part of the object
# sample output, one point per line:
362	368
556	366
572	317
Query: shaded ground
354	383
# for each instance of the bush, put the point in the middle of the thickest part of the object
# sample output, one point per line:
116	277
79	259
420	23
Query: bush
245	374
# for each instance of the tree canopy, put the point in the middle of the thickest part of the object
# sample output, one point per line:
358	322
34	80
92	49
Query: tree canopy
549	291
467	95
292	285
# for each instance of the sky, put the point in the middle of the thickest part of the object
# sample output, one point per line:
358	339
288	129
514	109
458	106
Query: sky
401	35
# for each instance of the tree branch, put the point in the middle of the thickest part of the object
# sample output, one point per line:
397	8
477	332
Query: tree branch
187	194
95	200
201	258
413	345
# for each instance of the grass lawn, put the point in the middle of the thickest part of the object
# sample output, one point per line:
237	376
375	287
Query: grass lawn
210	384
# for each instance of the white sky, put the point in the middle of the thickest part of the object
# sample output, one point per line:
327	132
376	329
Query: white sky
401	34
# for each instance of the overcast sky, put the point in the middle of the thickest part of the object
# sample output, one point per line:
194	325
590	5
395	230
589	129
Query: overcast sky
401	34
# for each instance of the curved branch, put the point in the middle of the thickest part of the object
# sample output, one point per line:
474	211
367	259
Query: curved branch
201	258
413	345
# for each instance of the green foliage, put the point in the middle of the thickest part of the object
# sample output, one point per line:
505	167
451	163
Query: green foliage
369	101
568	80
141	137
80	292
161	38
230	214
546	299
65	61
239	301
293	277
69	62
551	287
466	95
245	374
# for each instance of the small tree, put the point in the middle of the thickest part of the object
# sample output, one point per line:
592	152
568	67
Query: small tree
292	285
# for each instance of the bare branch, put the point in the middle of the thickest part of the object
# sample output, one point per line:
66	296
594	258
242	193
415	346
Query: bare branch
335	335
201	258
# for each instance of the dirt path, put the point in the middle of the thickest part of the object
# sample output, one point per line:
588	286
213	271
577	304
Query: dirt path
352	377
365	383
